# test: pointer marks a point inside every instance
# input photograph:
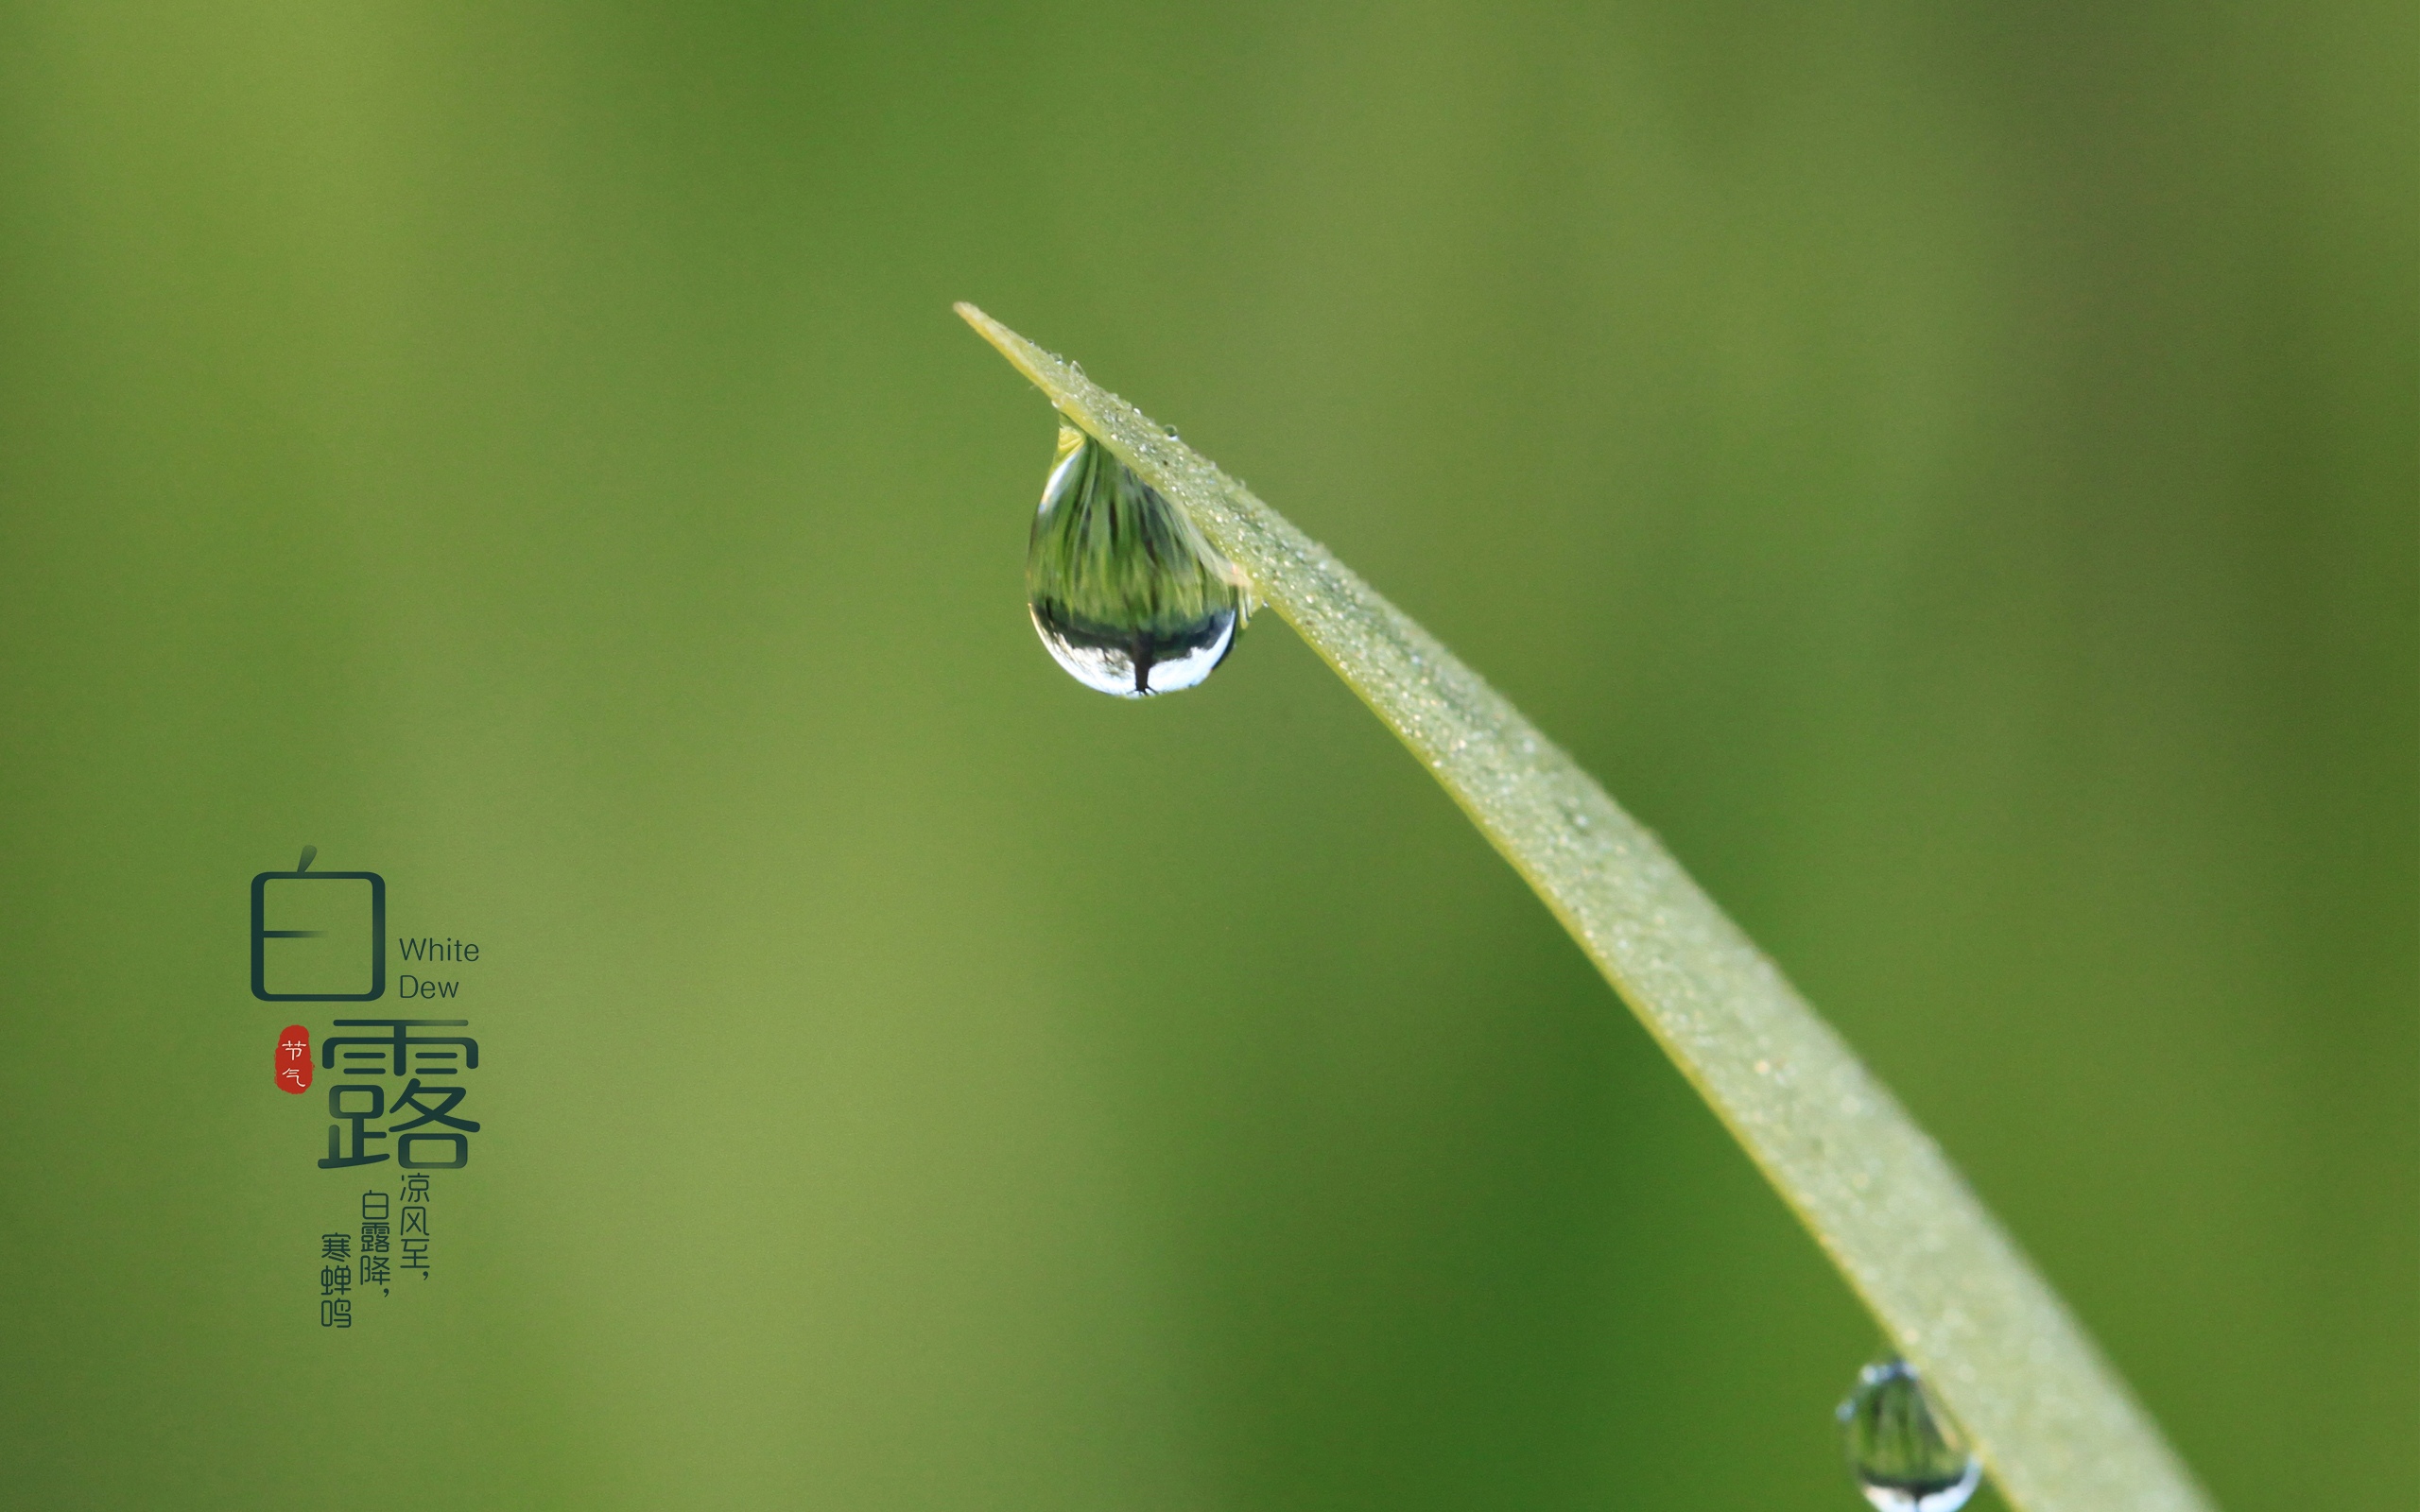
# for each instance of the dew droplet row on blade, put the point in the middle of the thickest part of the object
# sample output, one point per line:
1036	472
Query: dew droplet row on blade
1124	590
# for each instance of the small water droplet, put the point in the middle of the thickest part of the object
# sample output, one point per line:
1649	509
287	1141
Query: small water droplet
1125	593
1904	1451
1173	435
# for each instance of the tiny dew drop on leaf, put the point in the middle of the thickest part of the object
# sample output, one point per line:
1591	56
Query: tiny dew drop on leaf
1125	593
1906	1454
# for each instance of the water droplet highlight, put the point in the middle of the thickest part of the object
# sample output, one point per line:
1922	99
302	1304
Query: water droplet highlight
1904	1451
1125	593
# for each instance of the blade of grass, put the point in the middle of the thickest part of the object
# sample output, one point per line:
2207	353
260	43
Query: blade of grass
2056	1427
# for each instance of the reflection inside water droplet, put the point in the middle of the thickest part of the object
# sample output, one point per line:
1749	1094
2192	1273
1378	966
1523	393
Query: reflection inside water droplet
1904	1451
1125	593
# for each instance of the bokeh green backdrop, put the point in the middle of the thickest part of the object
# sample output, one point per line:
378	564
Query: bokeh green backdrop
1952	471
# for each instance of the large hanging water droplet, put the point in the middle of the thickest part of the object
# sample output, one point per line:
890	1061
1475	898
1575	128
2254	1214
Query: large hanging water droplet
1905	1453
1125	592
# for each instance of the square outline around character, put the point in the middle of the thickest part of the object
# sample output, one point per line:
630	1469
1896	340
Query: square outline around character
262	935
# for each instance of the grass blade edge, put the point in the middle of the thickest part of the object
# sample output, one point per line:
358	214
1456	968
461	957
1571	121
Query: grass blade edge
2055	1425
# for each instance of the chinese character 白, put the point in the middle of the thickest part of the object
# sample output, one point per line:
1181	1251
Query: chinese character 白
331	945
374	1224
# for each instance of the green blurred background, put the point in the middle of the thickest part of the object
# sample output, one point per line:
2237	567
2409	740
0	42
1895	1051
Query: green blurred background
1952	472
